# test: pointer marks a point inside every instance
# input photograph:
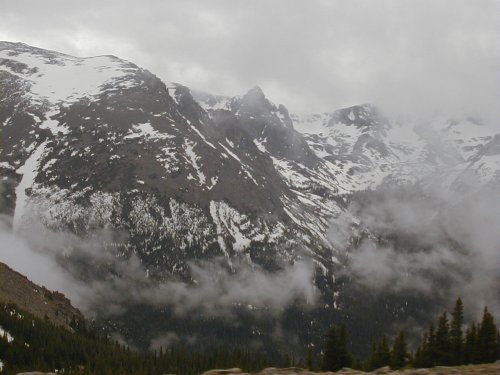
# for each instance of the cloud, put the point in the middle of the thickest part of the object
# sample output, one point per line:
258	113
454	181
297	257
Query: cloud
404	55
219	288
165	340
98	280
434	242
17	254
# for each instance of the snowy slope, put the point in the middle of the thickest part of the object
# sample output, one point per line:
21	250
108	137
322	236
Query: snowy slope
90	143
369	149
95	143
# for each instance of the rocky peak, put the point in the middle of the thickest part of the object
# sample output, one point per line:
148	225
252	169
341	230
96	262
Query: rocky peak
255	103
365	116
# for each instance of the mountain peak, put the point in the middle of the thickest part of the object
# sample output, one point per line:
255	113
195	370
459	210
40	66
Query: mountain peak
255	102
363	116
257	90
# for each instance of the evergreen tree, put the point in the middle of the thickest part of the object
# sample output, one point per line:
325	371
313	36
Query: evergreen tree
429	352
345	356
419	360
443	341
330	354
487	343
399	353
84	351
336	355
456	335
470	346
381	354
309	358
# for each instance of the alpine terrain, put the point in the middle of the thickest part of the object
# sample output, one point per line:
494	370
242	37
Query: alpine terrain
178	176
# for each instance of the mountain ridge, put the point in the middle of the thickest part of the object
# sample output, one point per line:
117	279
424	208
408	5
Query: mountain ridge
17	289
180	176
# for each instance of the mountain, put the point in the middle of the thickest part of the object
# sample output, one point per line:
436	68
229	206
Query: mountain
100	143
96	142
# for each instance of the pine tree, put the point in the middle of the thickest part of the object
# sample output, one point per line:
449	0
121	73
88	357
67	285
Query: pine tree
487	343
381	355
470	346
443	341
399	353
430	356
336	354
309	358
456	335
420	360
345	358
330	354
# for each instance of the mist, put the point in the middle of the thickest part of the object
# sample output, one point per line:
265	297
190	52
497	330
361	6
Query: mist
100	281
440	244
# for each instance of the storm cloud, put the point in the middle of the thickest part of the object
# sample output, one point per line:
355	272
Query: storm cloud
407	56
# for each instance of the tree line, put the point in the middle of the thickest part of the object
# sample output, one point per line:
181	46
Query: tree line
444	343
39	344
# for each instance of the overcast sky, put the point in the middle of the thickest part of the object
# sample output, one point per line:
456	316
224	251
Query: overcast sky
310	55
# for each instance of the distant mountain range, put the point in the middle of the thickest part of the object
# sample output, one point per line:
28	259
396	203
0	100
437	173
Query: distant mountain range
92	143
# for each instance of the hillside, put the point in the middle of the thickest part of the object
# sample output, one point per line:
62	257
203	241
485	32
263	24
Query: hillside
17	289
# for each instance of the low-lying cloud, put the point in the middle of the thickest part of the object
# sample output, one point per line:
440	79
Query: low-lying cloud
441	244
98	280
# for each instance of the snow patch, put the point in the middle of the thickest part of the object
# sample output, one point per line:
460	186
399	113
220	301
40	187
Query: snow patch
6	335
81	77
233	155
260	145
311	124
217	222
203	137
6	165
230	221
29	170
145	130
193	159
53	125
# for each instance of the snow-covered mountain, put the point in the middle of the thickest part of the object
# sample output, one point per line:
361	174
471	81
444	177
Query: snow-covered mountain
98	142
93	143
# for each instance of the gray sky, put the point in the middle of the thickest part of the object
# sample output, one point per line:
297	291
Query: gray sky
311	55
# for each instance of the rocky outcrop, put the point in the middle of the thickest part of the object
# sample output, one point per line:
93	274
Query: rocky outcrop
484	369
